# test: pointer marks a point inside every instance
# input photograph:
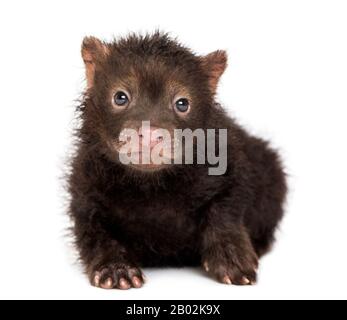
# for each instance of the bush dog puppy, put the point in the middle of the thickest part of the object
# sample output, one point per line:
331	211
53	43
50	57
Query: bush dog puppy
129	215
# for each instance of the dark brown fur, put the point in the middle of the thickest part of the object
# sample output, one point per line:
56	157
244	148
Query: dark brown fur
125	219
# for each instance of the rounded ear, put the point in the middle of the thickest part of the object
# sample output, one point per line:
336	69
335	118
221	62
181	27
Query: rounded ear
214	64
93	51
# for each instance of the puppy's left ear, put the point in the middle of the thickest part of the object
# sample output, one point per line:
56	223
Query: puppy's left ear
214	64
93	53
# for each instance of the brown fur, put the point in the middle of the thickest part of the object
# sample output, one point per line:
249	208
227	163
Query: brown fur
125	218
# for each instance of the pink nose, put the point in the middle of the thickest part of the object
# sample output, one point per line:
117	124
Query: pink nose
150	136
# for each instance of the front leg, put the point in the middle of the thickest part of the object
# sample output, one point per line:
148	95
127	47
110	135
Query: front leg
107	261
226	249
228	255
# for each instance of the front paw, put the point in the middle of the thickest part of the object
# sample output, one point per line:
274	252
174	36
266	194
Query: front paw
117	276
231	265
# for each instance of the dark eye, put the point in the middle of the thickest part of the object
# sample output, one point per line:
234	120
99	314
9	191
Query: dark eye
120	98
182	105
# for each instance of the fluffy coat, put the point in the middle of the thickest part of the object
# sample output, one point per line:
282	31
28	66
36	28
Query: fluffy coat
125	219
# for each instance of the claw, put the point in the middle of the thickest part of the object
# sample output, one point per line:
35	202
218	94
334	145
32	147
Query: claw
227	280
206	266
124	284
107	284
136	282
97	277
245	280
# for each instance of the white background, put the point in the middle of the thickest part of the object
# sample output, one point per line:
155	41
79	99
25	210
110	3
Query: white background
286	81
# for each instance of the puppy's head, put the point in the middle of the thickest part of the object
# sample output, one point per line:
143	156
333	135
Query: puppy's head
142	88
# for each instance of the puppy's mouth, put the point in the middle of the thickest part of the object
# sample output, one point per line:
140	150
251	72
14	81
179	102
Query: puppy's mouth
145	162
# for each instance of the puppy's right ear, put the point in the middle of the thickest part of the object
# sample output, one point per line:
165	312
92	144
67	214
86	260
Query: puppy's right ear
93	51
